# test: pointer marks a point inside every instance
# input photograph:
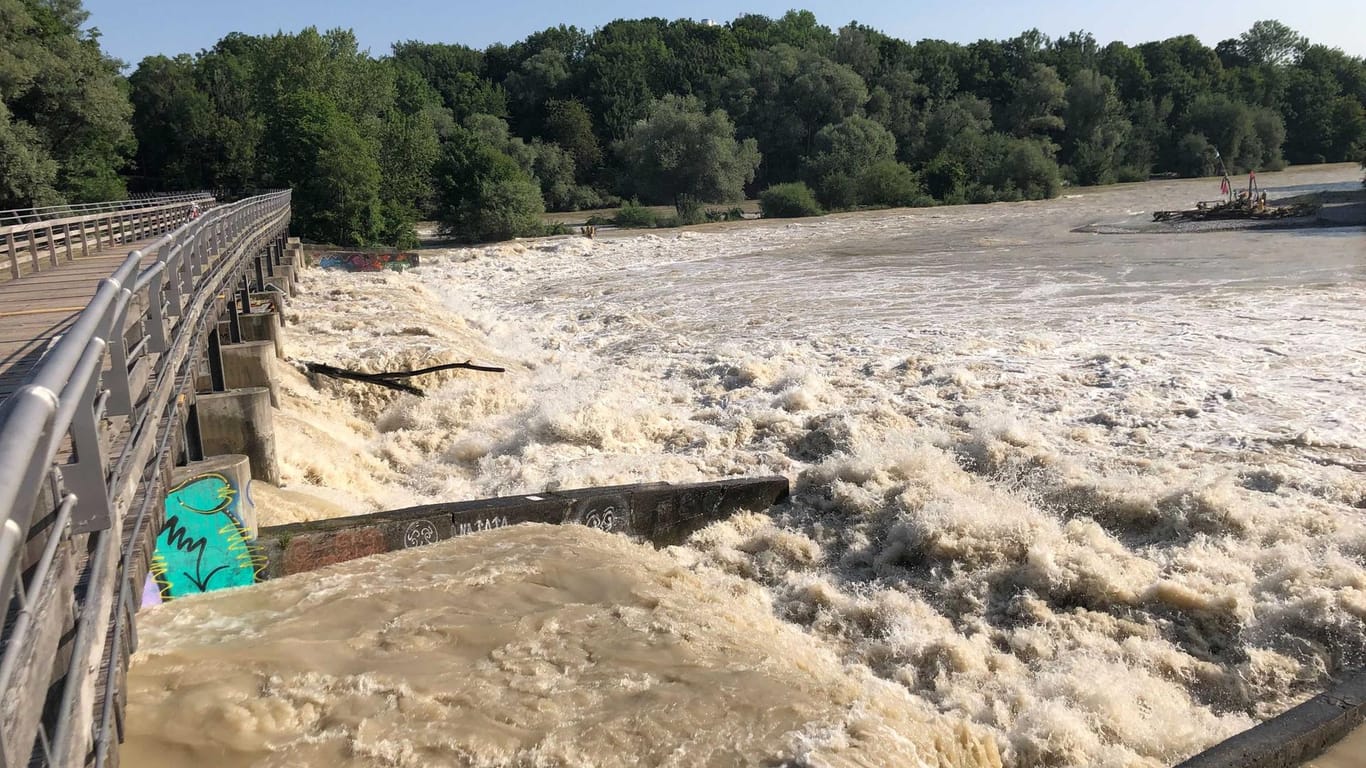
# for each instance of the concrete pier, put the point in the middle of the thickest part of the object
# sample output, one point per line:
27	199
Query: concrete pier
263	326
240	421
251	364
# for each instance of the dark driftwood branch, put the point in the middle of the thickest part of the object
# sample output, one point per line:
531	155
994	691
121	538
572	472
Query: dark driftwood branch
390	378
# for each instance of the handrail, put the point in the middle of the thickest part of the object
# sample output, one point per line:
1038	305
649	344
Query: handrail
34	231
65	210
86	377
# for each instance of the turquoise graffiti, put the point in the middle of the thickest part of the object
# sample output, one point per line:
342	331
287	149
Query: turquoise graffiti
203	546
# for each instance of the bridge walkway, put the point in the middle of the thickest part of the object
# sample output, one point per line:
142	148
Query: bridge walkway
35	308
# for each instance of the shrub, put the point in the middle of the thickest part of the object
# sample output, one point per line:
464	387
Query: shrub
635	215
892	184
788	201
1027	172
690	212
946	179
836	191
1127	173
734	214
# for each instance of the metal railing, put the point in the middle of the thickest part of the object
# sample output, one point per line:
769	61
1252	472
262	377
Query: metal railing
27	233
82	457
67	210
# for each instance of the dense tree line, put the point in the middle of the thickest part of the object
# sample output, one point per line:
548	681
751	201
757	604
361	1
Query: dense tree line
65	130
667	112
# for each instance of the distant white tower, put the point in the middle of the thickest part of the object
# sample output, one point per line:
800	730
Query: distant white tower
709	22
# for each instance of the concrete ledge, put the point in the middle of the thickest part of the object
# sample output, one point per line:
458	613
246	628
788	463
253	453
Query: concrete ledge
1299	735
659	512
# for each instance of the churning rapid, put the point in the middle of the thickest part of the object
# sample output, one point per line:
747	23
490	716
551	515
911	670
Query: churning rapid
1060	499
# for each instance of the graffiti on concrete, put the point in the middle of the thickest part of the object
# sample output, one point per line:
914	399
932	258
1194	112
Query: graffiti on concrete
367	261
419	533
203	545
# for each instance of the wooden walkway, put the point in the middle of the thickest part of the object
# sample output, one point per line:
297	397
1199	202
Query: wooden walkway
37	307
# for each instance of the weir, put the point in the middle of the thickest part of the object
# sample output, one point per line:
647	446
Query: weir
132	426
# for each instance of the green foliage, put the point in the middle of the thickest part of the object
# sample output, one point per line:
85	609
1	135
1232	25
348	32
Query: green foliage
788	201
1026	171
1271	42
633	215
843	152
1195	156
891	184
681	152
484	195
332	167
569	124
64	113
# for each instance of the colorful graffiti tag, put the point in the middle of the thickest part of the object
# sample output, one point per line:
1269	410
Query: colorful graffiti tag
367	261
203	545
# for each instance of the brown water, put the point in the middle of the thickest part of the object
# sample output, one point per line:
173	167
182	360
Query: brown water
531	646
1096	499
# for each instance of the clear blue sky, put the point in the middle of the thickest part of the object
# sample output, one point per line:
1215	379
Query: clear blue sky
137	28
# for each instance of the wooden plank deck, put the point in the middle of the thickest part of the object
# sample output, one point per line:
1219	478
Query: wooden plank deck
37	307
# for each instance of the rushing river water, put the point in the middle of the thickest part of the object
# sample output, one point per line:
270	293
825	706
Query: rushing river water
1060	499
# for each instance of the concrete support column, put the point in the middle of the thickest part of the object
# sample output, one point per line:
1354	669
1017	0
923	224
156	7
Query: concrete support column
240	421
281	282
235	468
251	364
263	326
290	273
294	253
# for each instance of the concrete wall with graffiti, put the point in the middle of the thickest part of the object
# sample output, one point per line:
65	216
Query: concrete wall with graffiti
206	543
366	261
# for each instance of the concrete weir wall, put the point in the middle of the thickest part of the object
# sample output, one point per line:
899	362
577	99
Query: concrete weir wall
661	513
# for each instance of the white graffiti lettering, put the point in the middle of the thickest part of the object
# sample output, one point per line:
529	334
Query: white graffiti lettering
476	526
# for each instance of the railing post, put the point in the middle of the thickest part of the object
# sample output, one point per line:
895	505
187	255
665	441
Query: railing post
120	399
33	250
86	476
85	240
157	338
51	246
13	255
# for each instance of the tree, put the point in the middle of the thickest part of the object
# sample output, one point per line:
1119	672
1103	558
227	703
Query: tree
333	169
788	201
1271	42
64	128
1038	99
681	152
482	194
1096	128
892	184
173	121
569	124
844	152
